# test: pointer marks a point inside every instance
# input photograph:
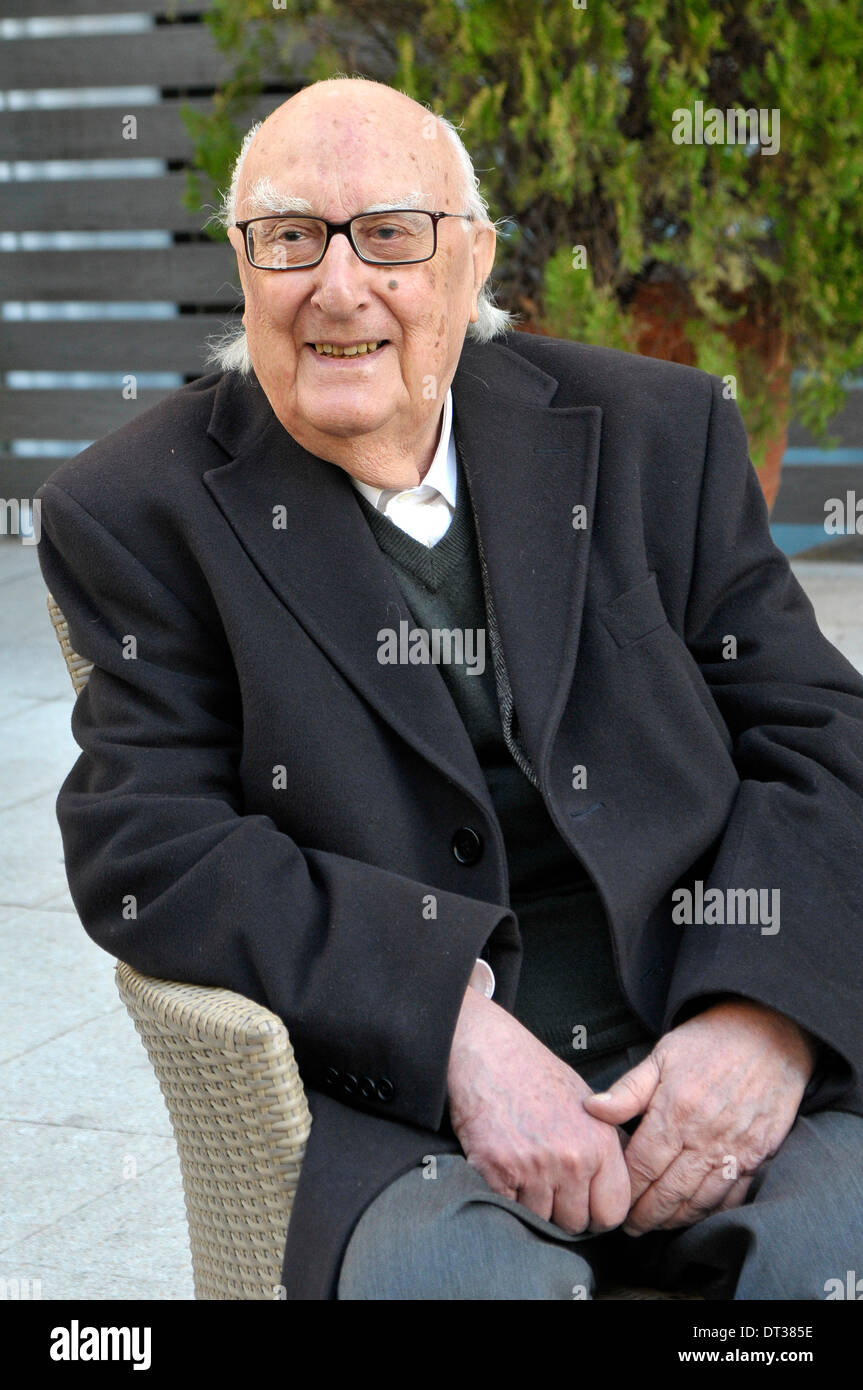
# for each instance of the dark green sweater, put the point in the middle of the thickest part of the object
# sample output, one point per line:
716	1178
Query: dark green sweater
568	981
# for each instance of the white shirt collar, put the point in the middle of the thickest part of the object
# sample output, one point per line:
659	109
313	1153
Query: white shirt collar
442	475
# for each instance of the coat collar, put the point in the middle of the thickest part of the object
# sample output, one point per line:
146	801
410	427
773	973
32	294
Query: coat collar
527	464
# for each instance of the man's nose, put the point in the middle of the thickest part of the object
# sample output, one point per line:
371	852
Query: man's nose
342	278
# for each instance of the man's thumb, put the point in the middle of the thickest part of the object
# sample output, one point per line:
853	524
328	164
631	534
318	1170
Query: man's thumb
628	1097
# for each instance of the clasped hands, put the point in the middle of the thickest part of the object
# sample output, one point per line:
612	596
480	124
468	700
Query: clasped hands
717	1096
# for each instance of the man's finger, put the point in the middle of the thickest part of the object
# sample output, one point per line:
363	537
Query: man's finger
610	1197
737	1195
572	1208
538	1197
678	1184
649	1154
629	1096
713	1190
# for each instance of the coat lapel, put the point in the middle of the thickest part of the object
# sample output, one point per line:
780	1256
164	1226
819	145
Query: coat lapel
527	465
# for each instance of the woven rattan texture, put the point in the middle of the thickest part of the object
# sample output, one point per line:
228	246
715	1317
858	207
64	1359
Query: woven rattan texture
240	1118
78	667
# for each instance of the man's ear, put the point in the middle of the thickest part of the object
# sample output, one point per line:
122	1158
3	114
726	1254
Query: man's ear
237	240
485	241
235	237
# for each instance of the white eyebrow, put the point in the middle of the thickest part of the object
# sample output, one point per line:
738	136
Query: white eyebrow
410	200
264	197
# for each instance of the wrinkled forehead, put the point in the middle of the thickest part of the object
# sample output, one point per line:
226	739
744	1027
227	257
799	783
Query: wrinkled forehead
349	160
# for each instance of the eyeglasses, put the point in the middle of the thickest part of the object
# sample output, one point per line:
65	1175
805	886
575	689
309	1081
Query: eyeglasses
293	241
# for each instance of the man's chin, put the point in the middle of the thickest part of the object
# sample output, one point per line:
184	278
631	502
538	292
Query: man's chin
342	414
346	424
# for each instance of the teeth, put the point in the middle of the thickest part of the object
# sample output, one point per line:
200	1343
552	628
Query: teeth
333	350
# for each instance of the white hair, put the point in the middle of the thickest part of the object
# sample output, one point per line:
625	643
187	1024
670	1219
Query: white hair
230	350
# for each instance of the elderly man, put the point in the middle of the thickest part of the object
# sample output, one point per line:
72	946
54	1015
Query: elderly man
566	940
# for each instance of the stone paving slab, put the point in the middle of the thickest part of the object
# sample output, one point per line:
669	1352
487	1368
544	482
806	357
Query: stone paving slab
45	944
93	1075
125	1238
56	1171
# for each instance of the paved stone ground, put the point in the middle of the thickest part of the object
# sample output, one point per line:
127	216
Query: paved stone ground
90	1185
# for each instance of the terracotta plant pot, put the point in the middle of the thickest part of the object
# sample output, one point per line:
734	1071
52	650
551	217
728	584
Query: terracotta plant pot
770	347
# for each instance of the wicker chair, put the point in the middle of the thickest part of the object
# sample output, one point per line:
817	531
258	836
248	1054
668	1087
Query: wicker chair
239	1114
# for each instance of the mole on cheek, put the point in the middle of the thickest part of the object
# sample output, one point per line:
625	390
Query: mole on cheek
393	285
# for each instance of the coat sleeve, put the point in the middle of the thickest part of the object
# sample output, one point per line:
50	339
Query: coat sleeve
168	873
794	708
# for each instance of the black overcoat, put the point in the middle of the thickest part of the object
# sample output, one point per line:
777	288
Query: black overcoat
281	806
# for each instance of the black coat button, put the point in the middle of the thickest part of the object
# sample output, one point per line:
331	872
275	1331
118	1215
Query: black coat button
386	1089
466	845
349	1083
331	1076
368	1089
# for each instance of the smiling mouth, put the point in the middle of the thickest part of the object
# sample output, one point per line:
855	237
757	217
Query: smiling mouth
352	350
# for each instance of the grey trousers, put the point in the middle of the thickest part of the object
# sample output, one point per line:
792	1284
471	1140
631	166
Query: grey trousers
439	1232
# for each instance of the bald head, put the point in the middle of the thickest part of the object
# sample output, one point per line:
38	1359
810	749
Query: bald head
344	124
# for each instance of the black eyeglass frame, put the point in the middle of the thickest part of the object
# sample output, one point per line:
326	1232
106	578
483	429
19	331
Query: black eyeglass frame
346	229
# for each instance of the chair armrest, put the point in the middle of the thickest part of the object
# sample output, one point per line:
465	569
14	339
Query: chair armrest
241	1121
